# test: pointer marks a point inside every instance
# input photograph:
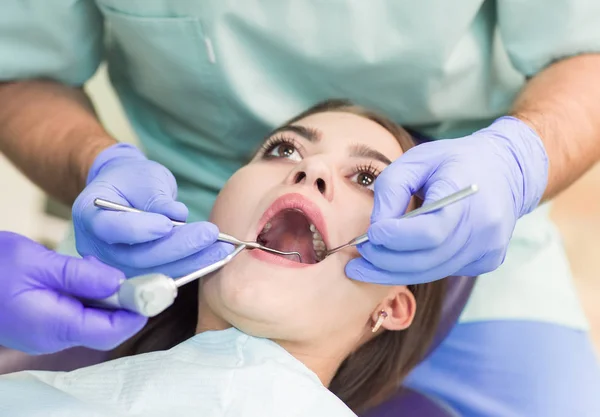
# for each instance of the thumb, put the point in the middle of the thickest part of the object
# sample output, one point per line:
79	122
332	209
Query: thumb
399	181
87	278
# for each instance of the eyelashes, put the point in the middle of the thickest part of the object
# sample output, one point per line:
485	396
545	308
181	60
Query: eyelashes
287	147
273	142
369	169
365	175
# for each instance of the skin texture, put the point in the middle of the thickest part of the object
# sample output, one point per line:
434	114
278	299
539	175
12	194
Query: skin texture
562	104
315	312
51	133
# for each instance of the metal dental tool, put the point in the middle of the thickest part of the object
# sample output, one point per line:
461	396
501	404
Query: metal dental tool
109	205
446	201
151	294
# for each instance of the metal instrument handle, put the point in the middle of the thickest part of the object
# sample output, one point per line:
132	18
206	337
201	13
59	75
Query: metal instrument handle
181	281
446	201
440	204
109	205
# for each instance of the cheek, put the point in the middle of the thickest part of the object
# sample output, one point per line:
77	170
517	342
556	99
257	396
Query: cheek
233	208
354	210
353	302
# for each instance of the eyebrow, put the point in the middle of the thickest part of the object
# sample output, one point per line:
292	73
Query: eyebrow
309	133
363	151
314	135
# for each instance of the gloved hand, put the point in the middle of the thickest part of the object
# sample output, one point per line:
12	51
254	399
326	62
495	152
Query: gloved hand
507	161
139	243
38	311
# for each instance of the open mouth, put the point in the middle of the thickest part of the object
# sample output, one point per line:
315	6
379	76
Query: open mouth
290	230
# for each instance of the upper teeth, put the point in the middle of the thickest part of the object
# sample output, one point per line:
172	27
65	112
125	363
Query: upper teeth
318	243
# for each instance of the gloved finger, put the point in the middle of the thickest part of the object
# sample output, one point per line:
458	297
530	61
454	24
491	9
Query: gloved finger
88	278
447	180
397	183
361	270
104	330
160	196
487	263
426	231
128	228
182	242
184	266
414	261
167	206
95	328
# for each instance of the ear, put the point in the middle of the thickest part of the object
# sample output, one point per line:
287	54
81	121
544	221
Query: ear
400	307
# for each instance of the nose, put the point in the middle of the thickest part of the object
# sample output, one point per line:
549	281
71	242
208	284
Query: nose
313	173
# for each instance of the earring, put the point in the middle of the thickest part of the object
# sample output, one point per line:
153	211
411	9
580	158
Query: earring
382	316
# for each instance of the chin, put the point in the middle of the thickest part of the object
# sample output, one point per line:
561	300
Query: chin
260	296
249	288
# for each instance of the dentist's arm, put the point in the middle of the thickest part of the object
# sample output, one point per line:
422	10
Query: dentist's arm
550	140
51	133
49	130
562	104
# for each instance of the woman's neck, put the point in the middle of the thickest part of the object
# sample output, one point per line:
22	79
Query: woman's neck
324	363
321	357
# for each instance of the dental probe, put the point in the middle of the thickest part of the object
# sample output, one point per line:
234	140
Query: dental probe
223	237
446	201
151	294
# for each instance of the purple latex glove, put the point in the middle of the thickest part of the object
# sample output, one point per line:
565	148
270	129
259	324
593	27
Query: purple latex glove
509	164
139	243
38	311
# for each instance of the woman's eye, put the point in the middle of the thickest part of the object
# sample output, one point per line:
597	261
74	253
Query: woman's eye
285	150
364	179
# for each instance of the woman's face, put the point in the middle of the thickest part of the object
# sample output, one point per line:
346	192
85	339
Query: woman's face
308	189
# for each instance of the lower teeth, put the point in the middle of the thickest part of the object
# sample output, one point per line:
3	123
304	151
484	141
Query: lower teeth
318	244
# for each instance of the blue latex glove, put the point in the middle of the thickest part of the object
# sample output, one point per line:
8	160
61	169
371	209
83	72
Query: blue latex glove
509	164
138	243
38	311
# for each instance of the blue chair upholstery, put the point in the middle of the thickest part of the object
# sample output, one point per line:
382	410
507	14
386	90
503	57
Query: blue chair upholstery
408	402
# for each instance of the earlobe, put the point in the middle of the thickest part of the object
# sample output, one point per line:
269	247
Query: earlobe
380	319
396	312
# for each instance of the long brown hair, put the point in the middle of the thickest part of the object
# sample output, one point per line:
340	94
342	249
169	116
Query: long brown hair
375	370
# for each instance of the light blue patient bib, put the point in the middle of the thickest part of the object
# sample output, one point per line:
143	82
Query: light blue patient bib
214	374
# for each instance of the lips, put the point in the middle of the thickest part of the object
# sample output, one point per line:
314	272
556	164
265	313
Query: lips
296	201
293	223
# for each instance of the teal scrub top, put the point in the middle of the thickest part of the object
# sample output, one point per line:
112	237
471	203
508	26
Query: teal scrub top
203	82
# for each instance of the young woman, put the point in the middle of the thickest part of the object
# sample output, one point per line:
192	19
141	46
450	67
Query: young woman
268	335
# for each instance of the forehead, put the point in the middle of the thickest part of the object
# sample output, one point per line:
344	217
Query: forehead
341	130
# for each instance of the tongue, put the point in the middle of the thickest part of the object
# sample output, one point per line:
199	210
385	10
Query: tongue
290	232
